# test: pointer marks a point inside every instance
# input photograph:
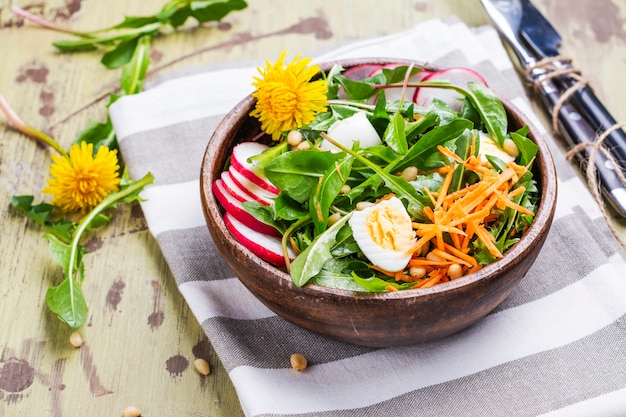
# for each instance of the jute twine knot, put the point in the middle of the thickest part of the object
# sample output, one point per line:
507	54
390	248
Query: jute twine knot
553	71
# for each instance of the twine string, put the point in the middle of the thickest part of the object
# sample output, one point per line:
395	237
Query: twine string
551	70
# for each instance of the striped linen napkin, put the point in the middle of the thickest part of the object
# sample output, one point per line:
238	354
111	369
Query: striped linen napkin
555	347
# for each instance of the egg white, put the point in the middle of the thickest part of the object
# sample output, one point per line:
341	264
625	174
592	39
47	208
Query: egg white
488	146
395	220
356	128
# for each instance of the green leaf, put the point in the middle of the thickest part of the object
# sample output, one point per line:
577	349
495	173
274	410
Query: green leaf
328	189
395	135
261	160
286	208
429	142
179	17
133	22
262	213
311	260
527	148
356	90
98	134
134	72
121	54
398	185
68	303
491	110
215	10
337	273
376	284
40	213
75	46
297	173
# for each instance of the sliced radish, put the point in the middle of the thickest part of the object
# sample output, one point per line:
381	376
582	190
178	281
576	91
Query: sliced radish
266	247
359	72
236	209
239	161
457	76
233	189
386	66
242	194
253	190
393	94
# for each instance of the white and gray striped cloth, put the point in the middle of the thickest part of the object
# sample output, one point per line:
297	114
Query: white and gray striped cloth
556	347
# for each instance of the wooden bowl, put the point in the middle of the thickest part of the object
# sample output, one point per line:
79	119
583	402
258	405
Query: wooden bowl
379	319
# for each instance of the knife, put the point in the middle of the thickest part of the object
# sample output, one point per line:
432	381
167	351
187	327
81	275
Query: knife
544	40
508	15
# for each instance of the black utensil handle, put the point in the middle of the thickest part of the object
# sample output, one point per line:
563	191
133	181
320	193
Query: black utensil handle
577	130
599	117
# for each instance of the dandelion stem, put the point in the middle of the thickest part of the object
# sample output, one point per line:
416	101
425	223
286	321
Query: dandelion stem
18	124
42	22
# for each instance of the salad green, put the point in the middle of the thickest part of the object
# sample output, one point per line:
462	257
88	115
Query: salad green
467	205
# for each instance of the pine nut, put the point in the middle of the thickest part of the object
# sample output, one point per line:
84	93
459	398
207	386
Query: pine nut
455	271
417	271
333	218
345	189
303	146
510	147
431	257
362	205
294	138
298	361
202	366
132	411
409	173
76	340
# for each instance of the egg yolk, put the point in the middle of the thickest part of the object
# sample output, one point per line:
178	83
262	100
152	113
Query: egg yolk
389	228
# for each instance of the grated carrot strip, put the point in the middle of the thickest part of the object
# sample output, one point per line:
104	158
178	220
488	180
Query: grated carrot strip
462	255
452	258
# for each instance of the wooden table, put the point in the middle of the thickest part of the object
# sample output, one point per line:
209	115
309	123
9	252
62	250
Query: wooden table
141	338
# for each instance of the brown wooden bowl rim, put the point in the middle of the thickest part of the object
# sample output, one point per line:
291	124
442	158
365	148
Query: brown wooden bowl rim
543	218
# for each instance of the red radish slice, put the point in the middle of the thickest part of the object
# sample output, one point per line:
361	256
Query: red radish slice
236	209
233	189
266	247
359	72
393	94
239	161
253	190
457	76
386	66
242	194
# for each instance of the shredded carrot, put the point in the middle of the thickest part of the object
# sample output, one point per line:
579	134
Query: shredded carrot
459	217
383	271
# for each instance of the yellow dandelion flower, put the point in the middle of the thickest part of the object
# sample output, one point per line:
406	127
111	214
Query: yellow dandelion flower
286	97
83	180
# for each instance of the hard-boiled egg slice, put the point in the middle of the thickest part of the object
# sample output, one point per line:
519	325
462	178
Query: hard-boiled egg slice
384	234
354	128
488	146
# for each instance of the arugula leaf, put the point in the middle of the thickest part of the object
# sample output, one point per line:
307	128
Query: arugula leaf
311	260
337	273
527	148
395	134
431	140
491	110
297	173
328	189
376	284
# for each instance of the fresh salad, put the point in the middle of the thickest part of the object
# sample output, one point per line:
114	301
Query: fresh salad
378	178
